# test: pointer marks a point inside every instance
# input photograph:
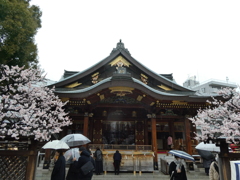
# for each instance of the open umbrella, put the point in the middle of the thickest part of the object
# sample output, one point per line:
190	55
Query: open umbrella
206	154
209	147
181	154
75	139
55	144
70	154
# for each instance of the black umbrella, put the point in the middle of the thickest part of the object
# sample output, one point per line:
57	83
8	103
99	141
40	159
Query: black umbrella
205	154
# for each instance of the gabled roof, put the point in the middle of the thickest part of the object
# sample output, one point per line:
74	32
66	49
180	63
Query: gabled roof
120	69
120	54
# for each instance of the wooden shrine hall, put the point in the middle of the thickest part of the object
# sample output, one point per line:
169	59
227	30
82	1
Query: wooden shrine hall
119	101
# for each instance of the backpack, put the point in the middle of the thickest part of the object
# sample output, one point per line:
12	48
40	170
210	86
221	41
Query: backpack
98	155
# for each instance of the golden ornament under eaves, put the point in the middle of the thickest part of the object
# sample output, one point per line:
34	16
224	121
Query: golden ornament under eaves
119	62
121	91
73	85
164	87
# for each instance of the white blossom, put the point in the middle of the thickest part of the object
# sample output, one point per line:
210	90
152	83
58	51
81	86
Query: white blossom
221	118
27	109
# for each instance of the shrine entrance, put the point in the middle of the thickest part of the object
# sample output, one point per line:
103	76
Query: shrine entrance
118	132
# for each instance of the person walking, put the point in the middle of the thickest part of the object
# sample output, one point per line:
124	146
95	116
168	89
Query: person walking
206	165
207	158
98	161
177	170
214	171
83	159
117	157
58	172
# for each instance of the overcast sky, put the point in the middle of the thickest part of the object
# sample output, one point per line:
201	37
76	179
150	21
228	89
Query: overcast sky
186	38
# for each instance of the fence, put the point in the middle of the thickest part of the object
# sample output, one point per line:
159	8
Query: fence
17	160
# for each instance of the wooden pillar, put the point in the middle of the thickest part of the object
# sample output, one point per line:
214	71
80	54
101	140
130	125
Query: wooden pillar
187	135
47	159
171	132
154	142
146	132
225	172
32	160
85	125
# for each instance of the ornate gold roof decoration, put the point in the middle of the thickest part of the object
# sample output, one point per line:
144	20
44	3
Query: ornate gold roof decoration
179	102
120	62
64	99
144	78
95	78
165	87
139	98
102	97
121	91
152	103
73	85
88	102
95	74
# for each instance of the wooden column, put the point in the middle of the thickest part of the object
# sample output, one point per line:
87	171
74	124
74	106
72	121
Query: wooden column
225	170
32	160
85	125
146	132
47	159
187	135
171	130
154	142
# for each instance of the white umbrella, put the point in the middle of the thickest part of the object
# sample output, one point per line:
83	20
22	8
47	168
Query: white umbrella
55	144
75	140
209	147
70	154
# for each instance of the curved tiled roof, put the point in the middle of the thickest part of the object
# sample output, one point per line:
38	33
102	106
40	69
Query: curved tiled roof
108	80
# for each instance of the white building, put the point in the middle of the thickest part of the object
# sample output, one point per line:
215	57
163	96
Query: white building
209	87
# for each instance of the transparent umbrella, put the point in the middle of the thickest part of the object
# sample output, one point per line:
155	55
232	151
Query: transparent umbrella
70	154
75	140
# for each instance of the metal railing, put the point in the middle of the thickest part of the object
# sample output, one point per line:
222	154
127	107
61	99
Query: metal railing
121	147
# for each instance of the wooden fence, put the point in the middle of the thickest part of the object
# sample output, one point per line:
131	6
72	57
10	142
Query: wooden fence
18	160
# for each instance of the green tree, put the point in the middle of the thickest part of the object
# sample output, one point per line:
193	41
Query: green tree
19	22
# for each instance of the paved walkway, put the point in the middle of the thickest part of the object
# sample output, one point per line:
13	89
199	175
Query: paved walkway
43	174
198	174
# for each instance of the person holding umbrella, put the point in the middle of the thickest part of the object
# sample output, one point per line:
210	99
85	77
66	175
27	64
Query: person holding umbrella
177	170
207	158
83	159
58	172
72	173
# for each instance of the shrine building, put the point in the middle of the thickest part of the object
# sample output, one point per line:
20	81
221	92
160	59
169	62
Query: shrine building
121	102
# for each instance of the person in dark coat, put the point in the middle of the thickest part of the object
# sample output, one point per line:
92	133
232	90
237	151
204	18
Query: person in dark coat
117	157
98	161
83	159
72	171
206	165
58	172
207	158
177	170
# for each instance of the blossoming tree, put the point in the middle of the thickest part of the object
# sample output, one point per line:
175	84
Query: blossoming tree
27	108
221	118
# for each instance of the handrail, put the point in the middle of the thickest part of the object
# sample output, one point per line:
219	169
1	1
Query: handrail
121	147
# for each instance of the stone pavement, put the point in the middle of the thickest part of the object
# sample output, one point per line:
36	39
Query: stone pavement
197	174
46	174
